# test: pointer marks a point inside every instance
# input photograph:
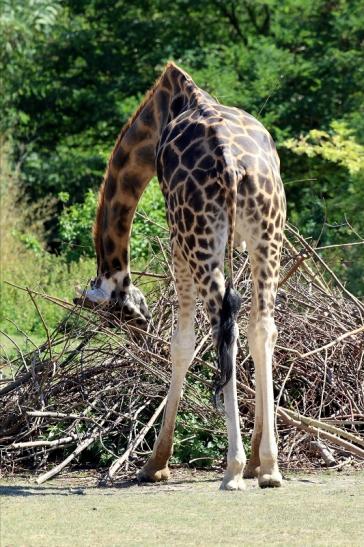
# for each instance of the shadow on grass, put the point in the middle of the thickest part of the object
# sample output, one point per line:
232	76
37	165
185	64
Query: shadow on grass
108	487
102	485
26	491
164	485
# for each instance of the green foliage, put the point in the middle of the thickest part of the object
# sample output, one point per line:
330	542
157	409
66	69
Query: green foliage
75	226
329	205
24	27
201	442
81	68
196	440
337	146
32	243
76	223
25	261
144	235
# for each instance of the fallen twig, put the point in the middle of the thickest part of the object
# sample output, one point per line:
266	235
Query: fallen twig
136	442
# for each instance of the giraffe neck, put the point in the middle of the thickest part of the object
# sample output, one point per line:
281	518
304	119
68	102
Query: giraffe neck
130	168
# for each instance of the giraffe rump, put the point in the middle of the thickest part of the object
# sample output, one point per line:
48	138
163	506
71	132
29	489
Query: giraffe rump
225	340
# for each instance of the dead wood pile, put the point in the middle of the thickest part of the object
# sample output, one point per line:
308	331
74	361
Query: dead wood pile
91	386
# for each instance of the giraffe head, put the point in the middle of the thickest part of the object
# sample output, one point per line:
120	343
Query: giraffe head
116	293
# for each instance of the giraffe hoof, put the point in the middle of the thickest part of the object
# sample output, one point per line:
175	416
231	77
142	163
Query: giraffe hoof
251	471
148	474
233	484
273	480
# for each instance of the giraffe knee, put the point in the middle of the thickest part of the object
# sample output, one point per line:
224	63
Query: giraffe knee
182	347
262	330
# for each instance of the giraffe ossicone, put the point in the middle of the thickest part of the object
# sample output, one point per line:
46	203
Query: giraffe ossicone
219	173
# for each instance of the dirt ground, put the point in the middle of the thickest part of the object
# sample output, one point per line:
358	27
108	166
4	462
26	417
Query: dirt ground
312	509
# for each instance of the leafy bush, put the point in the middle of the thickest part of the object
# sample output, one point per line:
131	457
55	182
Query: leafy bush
329	196
198	443
75	226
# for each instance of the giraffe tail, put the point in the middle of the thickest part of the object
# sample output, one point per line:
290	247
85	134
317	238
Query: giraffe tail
226	341
230	305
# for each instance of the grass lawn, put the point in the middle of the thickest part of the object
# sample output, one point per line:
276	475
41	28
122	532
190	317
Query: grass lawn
323	509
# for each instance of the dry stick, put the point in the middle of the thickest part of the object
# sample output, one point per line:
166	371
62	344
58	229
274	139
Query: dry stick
53	299
306	267
241	271
164	228
43	322
281	391
323	387
325	452
332	421
324	425
71	307
82	446
339	245
39	366
149	274
23	333
57	442
294	418
322	348
133	428
17	347
332	343
349	447
293	269
51	414
165	258
325	266
138	439
317	350
302	422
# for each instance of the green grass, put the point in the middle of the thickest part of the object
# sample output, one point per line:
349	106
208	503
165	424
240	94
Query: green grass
49	274
10	347
313	510
10	343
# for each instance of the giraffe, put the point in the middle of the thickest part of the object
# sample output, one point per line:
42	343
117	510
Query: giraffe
219	173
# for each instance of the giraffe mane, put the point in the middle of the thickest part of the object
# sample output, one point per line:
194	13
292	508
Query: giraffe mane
97	228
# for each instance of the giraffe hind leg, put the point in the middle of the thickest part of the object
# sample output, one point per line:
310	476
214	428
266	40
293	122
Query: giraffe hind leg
262	335
222	309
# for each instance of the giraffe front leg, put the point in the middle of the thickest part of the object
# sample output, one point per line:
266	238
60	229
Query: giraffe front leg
236	458
182	351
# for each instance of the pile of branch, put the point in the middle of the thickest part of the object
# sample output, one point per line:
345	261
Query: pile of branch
99	385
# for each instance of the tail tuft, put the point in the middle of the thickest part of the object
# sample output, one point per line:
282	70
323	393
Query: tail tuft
226	337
